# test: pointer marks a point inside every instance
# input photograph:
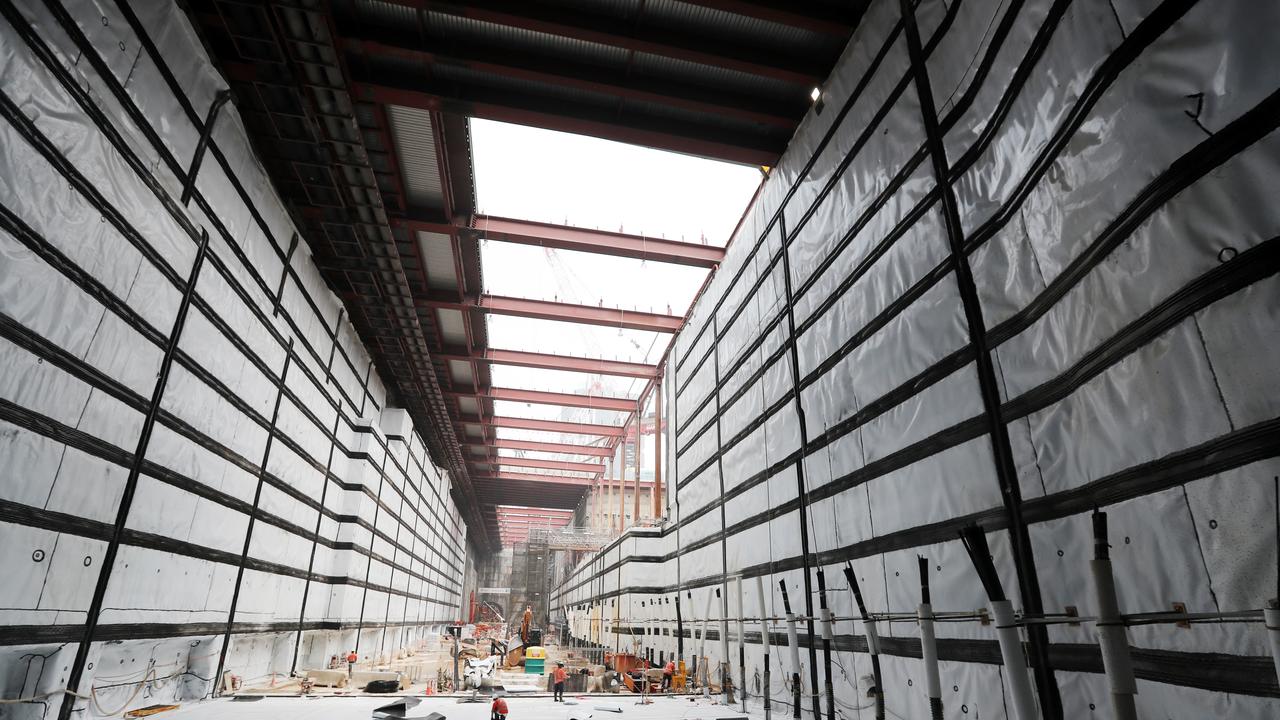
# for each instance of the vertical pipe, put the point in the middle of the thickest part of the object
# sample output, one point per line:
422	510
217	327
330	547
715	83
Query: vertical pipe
873	638
802	494
1272	617
793	651
742	643
767	639
1015	664
827	637
679	629
131	486
726	676
635	491
929	645
1112	636
657	448
1006	471
189	185
622	483
702	647
253	517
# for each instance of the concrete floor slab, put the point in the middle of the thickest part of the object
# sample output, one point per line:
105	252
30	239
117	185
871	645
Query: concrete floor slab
522	708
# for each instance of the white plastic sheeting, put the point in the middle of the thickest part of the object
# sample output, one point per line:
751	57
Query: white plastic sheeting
1111	164
95	256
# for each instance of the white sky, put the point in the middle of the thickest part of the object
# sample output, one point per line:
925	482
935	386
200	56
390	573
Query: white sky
533	174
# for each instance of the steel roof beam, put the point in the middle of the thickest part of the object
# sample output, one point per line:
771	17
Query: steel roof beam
563	465
555	426
806	16
542	397
532	68
565	237
565	312
626	34
548	447
530	509
501	476
508	108
548	361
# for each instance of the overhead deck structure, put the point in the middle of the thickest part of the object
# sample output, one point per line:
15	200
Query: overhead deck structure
360	112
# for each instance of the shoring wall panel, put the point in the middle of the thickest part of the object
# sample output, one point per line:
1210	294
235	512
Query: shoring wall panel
94	266
1110	165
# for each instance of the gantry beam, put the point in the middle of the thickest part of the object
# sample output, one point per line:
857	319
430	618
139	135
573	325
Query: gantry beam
503	62
542	397
627	35
564	237
503	476
532	522
564	465
531	510
745	150
554	426
806	16
559	515
564	312
548	361
547	447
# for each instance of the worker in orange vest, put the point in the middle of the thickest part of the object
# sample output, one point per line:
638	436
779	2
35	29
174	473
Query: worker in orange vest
351	662
559	676
668	671
499	708
524	626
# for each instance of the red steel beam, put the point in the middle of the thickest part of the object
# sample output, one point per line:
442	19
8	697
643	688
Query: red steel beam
530	510
533	522
565	237
538	463
717	150
565	312
549	361
502	476
529	16
542	397
787	13
549	447
540	515
618	86
556	426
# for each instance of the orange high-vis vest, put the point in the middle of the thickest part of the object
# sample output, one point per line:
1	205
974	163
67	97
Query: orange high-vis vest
500	706
560	675
352	657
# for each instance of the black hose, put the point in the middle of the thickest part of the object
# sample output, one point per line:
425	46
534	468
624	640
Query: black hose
875	653
826	644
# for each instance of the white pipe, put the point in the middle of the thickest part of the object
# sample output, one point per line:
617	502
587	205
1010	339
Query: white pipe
742	643
929	652
793	645
1113	641
765	639
764	614
1015	664
726	676
702	646
1272	616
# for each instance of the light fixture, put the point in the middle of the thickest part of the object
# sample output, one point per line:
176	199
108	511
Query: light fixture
815	93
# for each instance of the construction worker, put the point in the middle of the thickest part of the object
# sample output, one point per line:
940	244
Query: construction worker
668	671
559	676
498	711
524	626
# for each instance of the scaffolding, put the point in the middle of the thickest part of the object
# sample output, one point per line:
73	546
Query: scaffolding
569	538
